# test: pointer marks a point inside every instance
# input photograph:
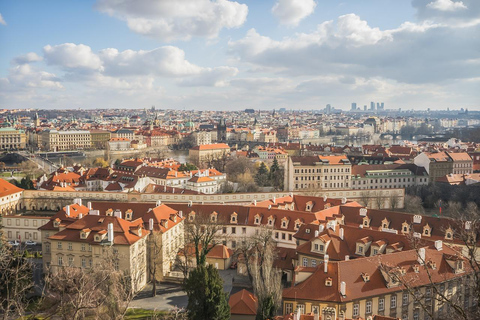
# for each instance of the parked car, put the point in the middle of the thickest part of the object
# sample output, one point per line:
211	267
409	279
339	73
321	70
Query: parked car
14	243
30	243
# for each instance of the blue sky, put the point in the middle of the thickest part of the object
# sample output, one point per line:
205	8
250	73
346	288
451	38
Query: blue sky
225	54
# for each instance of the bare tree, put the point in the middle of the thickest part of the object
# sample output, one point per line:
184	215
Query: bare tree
259	253
15	281
466	229
104	291
365	198
379	199
413	204
155	248
202	231
394	201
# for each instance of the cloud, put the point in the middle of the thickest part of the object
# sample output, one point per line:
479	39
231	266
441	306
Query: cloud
170	20
23	77
446	5
2	21
350	46
27	58
210	77
291	12
72	56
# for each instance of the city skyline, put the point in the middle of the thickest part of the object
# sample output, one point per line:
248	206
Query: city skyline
247	54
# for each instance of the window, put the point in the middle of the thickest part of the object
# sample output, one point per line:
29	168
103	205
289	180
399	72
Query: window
393	301
375	252
316	246
405	299
356	309
70	261
47	247
244	230
428	294
416	314
83	246
276	235
368	307
305	262
60	260
234	230
283	235
290	237
288	308
302	308
84	263
314	263
381	304
234	244
70	246
59	245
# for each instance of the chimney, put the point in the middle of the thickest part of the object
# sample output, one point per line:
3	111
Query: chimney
80	216
94	212
325	198
274	199
341	233
118	214
344	200
89	205
67	210
347	258
150	224
421	255
255	202
316	233
325	263
110	233
190	203
159	203
180	213
439	245
343	288
321	228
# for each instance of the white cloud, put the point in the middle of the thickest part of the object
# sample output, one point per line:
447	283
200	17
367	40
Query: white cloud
291	12
27	58
24	77
446	5
350	46
172	19
72	56
2	21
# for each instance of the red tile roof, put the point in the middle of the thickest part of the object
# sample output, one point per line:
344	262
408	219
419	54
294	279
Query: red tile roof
243	302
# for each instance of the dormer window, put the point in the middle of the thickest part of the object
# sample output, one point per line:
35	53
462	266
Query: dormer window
328	282
360	249
366	222
416	268
427	230
97	238
56	223
109	212
307	230
365	277
213	217
270	221
128	214
284	223
405	227
432	264
449	234
385	223
233	218
257	219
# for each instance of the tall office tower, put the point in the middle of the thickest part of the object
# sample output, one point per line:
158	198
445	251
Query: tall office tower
365	108
354	106
382	105
372	105
328	109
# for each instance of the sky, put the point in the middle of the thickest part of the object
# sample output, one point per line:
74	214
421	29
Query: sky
232	55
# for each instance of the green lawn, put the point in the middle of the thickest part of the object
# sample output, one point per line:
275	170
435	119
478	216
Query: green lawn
141	314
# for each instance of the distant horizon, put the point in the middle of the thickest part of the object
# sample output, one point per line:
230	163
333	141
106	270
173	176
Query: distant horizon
239	54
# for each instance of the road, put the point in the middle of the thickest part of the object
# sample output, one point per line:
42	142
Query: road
46	165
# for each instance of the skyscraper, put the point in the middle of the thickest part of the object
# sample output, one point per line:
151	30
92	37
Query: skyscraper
372	105
354	106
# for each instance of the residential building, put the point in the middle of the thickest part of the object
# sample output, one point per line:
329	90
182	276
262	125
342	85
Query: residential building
440	164
388	176
54	140
23	228
100	138
10	198
119	144
318	173
209	152
12	139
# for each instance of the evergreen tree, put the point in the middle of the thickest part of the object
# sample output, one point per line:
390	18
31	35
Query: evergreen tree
276	175
206	299
187	167
262	178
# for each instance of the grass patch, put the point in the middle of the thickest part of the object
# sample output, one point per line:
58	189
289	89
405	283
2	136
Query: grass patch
137	313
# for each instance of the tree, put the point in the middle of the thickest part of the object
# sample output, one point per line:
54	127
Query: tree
201	232
413	204
259	254
237	166
206	299
262	177
277	175
75	293
187	167
246	183
100	162
365	198
466	225
15	281
155	258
